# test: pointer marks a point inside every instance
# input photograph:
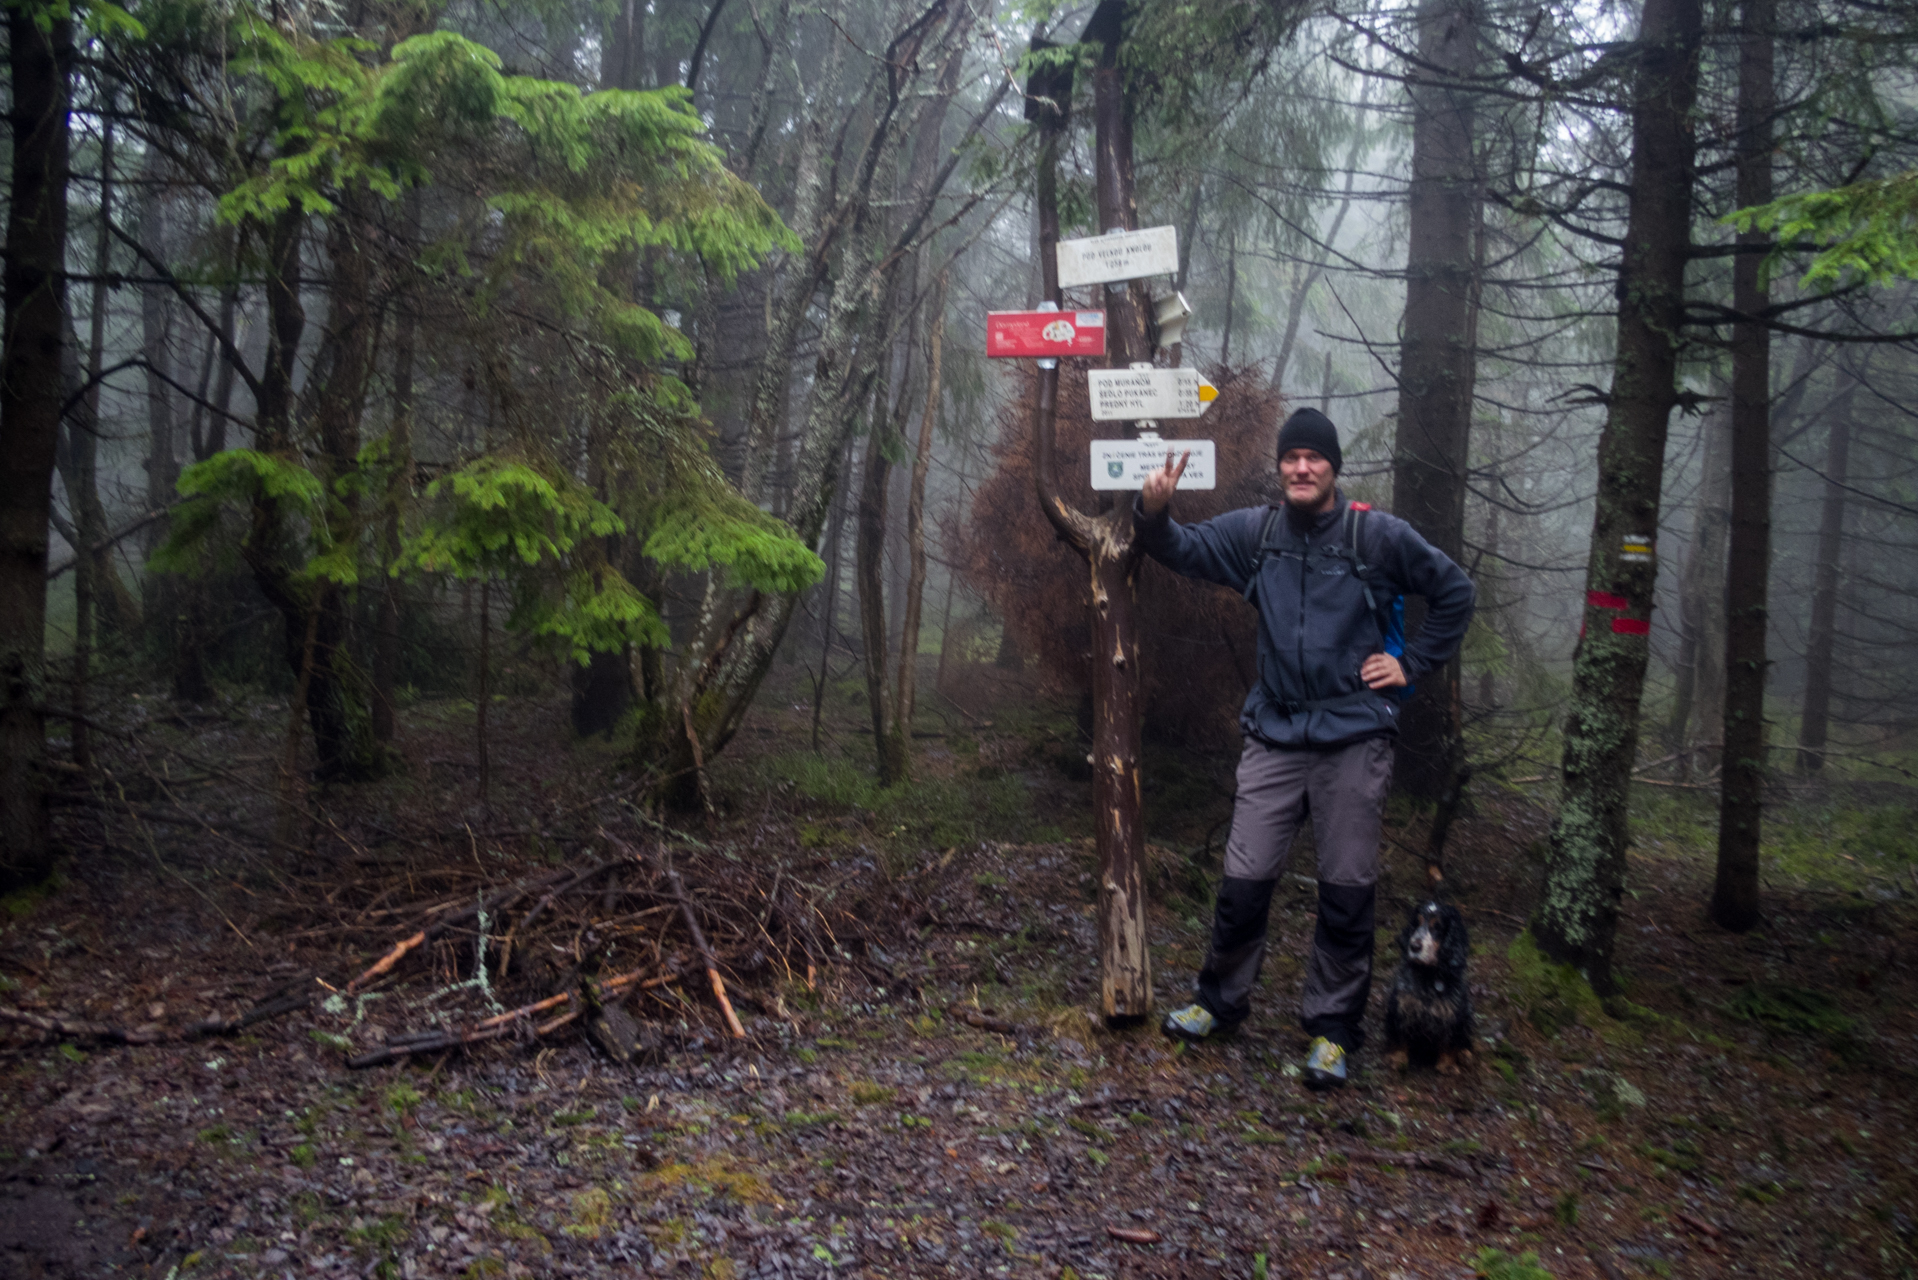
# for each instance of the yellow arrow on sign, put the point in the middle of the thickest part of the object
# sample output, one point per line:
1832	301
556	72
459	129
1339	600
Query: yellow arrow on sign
1207	392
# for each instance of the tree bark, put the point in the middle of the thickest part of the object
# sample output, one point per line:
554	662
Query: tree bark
399	453
1231	294
829	618
31	390
339	704
167	600
1698	700
485	686
623	46
916	529
1577	921
83	475
869	544
1814	723
1742	792
1106	541
1437	361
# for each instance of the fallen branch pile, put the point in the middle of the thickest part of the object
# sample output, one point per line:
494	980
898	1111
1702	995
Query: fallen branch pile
548	938
451	938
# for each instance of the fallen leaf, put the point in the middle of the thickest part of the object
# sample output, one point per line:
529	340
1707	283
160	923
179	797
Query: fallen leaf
1135	1235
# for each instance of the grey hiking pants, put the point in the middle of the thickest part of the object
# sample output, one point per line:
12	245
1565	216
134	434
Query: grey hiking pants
1343	791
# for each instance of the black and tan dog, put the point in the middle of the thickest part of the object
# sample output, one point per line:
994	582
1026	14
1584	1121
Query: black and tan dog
1428	1012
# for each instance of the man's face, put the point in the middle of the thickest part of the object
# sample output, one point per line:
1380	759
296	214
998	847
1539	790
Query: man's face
1308	478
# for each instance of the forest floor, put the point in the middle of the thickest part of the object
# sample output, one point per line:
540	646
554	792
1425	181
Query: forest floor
923	1088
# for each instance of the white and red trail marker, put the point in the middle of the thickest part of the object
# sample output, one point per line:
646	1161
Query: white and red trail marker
1025	334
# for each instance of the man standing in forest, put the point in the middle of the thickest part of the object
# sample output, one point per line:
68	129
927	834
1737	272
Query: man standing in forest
1326	576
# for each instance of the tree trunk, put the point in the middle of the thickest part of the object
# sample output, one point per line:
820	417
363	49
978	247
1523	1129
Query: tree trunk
31	389
1231	294
786	313
829	618
1295	309
1698	701
1741	794
1436	360
1106	541
732	642
952	575
190	681
166	598
623	46
399	454
916	530
1577	921
892	734
869	543
83	436
1814	722
485	685
1490	603
339	705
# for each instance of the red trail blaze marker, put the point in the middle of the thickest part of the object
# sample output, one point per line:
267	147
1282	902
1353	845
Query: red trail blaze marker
1045	333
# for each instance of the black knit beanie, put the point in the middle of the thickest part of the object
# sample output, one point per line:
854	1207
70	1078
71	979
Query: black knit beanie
1310	429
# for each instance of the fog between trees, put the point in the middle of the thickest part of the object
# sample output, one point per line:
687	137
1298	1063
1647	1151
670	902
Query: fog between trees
349	349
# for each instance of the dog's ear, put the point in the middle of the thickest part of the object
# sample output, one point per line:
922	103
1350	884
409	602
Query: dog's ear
1456	949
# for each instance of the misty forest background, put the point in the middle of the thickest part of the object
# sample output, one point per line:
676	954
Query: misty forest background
370	357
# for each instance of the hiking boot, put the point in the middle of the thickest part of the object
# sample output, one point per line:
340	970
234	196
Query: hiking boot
1191	1024
1324	1065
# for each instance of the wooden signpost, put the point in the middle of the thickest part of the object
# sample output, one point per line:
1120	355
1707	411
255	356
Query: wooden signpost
1106	538
1135	392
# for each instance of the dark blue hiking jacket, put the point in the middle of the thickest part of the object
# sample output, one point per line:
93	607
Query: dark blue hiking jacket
1315	625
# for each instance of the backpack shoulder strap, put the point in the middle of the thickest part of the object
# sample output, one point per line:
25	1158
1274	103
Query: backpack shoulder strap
1354	524
1354	540
1268	536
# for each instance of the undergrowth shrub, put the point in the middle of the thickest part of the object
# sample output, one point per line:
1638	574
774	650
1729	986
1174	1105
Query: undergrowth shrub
919	813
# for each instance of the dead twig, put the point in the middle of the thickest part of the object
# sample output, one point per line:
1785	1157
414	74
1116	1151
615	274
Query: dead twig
1699	1225
705	952
446	917
1415	1160
258	1013
983	1020
79	1029
403	1046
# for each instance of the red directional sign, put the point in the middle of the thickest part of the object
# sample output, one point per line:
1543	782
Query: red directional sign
1045	333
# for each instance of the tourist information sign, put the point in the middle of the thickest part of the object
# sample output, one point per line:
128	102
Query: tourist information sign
1124	464
1045	333
1122	255
1123	395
